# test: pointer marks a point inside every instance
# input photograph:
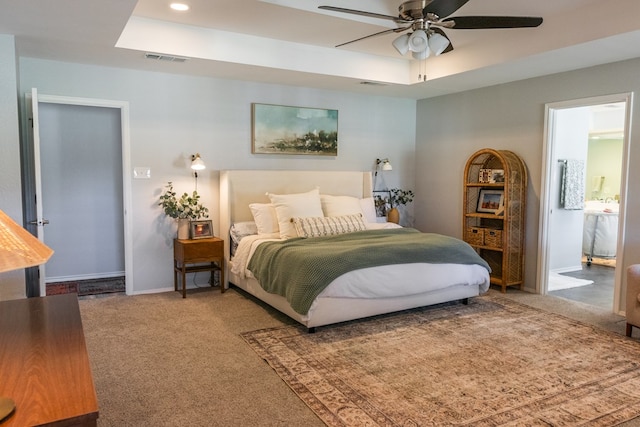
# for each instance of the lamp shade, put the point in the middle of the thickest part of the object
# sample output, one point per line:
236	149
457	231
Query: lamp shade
402	44
386	166
438	43
196	163
418	41
421	55
19	248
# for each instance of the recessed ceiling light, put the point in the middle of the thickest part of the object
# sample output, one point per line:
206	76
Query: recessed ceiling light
181	7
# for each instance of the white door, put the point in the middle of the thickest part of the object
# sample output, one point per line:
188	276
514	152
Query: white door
80	171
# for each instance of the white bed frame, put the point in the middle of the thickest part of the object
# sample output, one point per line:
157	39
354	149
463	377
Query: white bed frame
239	188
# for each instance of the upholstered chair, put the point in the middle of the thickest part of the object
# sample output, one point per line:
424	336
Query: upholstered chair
633	297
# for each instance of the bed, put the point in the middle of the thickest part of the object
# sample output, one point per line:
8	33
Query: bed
365	292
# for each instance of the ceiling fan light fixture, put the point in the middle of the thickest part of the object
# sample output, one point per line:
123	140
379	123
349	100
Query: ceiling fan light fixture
418	41
438	43
421	55
402	44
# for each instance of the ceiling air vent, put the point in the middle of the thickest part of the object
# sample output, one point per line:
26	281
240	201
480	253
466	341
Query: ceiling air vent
166	58
369	83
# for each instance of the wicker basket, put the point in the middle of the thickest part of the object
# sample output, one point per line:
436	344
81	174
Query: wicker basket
475	236
493	238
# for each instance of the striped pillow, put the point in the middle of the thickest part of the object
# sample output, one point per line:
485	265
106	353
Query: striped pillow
328	226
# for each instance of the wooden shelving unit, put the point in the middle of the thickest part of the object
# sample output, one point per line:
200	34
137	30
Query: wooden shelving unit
497	236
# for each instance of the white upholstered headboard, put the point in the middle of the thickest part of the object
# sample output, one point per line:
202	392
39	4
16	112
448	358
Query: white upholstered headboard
239	188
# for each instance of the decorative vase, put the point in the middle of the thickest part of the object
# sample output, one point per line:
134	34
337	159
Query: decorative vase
183	229
393	215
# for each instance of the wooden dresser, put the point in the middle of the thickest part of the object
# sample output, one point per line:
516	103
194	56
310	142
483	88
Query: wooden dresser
44	365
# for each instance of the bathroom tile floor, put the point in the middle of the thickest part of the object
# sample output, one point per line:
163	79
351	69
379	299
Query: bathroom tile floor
599	294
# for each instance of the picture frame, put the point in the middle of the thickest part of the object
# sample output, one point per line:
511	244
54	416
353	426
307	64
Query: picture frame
279	129
490	201
484	177
201	229
497	176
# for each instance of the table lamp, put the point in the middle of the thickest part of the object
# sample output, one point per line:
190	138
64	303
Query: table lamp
18	249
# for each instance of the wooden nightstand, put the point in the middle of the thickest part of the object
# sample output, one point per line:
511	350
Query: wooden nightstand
190	256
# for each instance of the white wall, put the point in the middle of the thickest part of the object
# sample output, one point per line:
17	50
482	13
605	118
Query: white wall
12	284
511	116
566	225
175	116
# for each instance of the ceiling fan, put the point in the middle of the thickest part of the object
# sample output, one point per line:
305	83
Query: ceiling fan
424	19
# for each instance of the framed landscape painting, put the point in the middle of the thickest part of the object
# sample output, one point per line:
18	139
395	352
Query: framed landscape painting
278	129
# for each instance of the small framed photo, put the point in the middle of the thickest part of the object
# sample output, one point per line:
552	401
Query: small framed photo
201	229
484	176
491	201
497	176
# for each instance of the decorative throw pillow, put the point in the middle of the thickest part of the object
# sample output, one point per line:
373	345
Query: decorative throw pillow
328	225
300	205
265	217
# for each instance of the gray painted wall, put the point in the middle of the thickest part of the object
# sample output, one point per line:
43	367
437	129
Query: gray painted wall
511	116
174	116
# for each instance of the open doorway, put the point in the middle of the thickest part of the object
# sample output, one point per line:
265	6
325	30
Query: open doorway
583	184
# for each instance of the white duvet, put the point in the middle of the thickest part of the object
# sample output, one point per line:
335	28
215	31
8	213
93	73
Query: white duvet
378	282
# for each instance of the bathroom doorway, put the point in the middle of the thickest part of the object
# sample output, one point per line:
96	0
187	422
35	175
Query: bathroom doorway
581	215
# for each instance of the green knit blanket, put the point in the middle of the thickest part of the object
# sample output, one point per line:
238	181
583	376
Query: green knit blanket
299	269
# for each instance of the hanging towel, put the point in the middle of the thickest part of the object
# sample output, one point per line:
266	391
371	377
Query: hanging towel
572	187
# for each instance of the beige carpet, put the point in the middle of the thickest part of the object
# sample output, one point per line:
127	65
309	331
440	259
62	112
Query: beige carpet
493	362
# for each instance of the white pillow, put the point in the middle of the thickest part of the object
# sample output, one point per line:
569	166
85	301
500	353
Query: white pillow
368	209
340	205
328	226
300	205
265	217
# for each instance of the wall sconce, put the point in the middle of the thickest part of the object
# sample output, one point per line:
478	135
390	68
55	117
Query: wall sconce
386	166
197	164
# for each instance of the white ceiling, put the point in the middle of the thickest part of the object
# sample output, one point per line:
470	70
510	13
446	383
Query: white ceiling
292	41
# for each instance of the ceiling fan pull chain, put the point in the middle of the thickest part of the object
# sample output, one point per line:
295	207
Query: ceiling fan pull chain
422	73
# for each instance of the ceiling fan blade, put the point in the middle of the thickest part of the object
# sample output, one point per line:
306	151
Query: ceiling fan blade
480	22
439	31
443	8
362	13
393	30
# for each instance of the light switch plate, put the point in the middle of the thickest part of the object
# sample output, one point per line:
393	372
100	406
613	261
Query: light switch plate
141	172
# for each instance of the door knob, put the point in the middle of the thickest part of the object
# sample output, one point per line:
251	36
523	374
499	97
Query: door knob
39	222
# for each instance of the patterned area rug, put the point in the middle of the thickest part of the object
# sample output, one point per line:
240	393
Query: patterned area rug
492	362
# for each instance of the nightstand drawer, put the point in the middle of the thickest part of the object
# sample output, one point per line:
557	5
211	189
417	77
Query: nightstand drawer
201	250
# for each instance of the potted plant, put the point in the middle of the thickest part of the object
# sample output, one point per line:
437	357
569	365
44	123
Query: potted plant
398	197
183	209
